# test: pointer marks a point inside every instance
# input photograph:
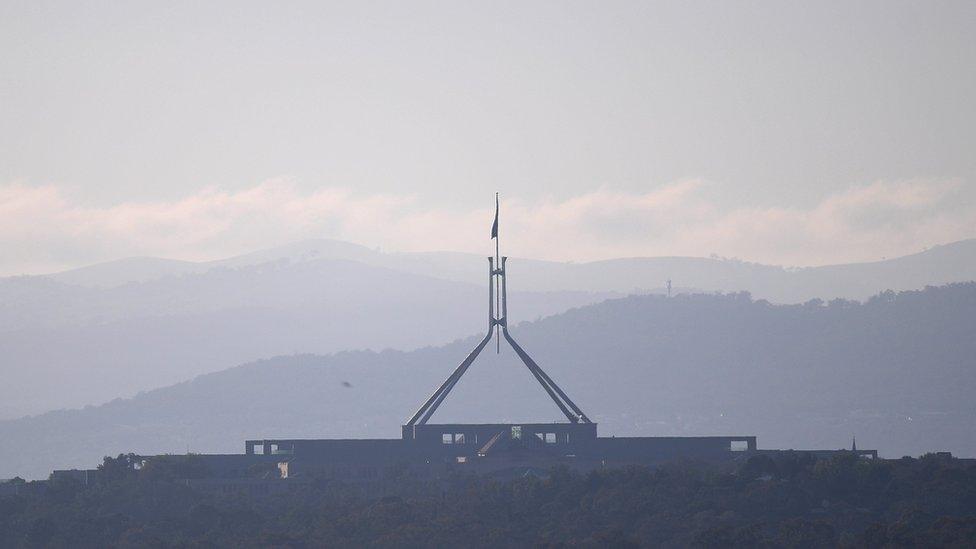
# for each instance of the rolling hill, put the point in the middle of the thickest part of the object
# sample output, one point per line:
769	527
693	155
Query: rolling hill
70	346
954	262
896	371
89	335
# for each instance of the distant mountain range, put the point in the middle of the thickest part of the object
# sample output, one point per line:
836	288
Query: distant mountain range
955	262
896	371
70	346
88	335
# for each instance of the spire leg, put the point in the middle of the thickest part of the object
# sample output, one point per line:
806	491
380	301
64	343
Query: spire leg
498	323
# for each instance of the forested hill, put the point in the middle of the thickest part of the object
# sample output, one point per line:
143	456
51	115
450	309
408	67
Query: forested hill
897	371
111	330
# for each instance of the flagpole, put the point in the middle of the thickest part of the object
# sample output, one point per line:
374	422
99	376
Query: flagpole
498	265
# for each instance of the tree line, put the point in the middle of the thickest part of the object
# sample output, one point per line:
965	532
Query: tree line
782	500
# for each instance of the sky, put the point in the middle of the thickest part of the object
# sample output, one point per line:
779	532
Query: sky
779	132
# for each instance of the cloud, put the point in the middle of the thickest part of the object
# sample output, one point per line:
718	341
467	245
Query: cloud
44	229
863	223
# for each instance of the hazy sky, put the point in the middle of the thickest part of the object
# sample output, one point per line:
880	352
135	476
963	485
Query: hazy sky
781	132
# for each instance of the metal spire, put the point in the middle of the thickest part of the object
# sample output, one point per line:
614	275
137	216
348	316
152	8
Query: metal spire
498	322
498	293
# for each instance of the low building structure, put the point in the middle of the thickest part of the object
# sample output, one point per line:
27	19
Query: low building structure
428	450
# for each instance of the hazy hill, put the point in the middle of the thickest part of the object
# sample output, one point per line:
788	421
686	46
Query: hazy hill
68	346
88	335
939	265
955	262
897	371
144	269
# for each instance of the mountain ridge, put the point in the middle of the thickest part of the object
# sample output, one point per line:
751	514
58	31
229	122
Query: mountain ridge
942	264
798	376
116	341
322	296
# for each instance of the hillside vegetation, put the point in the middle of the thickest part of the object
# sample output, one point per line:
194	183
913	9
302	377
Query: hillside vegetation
89	335
896	371
788	501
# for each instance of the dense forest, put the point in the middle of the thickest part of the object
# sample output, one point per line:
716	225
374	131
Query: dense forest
789	500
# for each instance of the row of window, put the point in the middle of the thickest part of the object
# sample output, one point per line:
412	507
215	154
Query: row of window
456	438
459	438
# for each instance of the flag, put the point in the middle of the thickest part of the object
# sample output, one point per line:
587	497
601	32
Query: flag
494	226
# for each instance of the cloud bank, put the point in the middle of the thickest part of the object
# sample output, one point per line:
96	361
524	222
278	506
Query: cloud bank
45	229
